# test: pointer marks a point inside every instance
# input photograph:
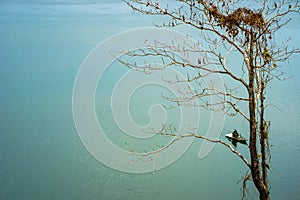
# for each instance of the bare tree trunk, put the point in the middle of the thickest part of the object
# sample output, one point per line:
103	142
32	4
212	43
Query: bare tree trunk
255	166
263	135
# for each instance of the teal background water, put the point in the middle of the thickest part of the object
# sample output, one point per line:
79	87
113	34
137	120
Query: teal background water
43	44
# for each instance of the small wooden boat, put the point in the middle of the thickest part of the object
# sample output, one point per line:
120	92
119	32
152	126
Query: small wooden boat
236	139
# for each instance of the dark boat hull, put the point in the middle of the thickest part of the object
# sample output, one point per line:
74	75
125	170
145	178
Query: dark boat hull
236	139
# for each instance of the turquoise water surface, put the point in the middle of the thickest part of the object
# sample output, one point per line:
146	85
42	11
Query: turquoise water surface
43	44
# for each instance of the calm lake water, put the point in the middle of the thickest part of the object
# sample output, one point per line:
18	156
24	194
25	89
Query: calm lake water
43	44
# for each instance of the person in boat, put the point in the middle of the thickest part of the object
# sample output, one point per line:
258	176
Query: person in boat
235	134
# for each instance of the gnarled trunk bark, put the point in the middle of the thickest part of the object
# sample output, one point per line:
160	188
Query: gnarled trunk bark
255	165
263	136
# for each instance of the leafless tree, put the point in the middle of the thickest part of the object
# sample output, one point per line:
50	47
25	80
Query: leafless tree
226	27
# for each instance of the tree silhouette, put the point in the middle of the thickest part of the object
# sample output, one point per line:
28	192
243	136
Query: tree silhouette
228	27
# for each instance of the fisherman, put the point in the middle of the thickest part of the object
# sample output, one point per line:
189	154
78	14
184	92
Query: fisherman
235	134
